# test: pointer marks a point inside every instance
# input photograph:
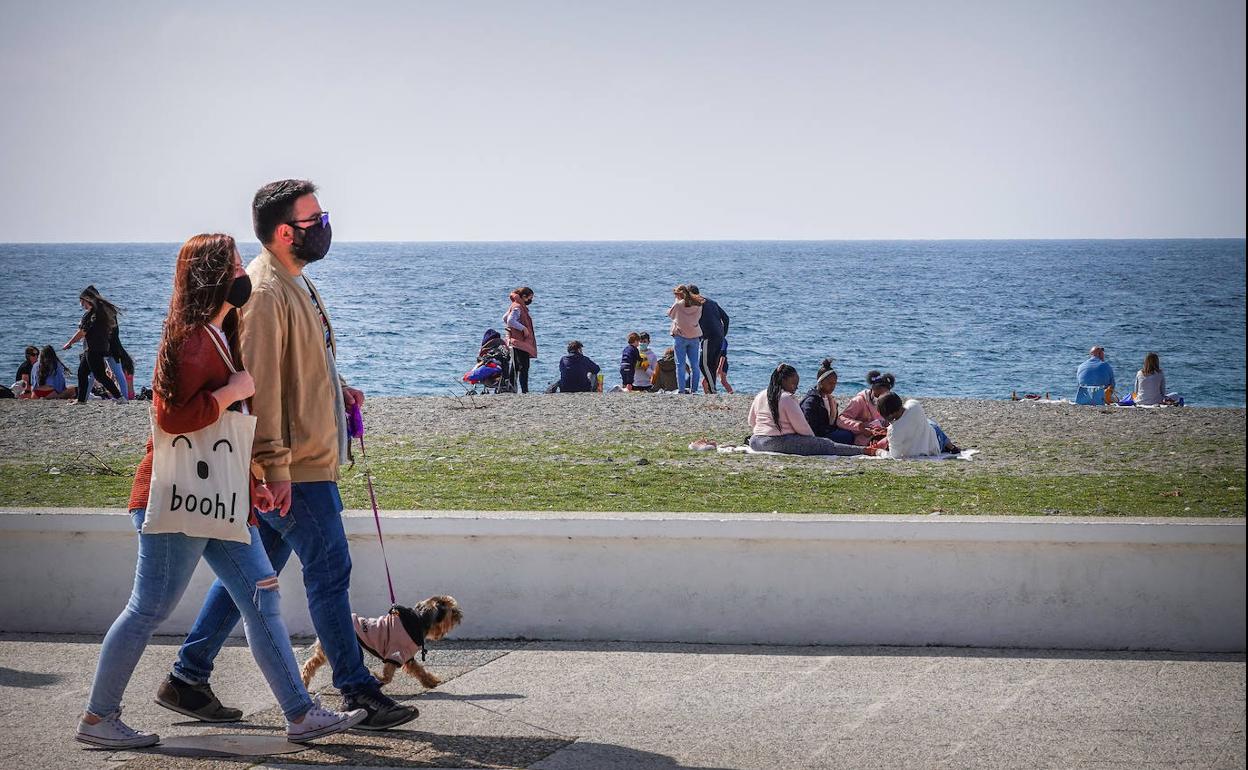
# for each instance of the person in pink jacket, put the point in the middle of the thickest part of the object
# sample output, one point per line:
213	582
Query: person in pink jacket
861	416
686	315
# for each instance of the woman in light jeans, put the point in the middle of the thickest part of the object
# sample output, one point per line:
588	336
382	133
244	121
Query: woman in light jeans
193	387
686	313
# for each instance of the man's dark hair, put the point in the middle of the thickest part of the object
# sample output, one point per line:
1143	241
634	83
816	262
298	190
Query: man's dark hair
574	346
693	287
31	350
889	403
274	205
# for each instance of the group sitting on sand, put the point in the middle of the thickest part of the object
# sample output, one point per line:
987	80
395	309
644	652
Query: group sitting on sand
874	422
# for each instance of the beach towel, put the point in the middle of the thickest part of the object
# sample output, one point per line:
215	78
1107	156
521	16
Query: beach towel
965	454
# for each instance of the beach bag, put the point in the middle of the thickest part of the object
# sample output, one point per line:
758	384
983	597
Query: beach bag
201	481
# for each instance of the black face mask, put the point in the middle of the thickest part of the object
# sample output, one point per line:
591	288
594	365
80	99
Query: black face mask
314	244
239	291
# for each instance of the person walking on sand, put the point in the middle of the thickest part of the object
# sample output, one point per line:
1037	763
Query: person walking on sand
520	335
193	387
686	313
1095	378
301	438
713	324
99	316
119	361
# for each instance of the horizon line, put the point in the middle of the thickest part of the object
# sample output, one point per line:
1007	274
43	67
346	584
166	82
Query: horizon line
695	240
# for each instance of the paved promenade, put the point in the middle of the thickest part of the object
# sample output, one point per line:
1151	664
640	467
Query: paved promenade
558	706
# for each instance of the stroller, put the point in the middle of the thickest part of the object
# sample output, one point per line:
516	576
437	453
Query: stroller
492	373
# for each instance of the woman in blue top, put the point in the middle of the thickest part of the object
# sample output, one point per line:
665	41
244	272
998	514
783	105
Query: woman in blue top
47	378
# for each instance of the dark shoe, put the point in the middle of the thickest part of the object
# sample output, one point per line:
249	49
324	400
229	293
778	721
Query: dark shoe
194	700
383	713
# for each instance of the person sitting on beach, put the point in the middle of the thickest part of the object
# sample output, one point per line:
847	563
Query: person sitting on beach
577	372
47	378
777	423
664	377
910	433
22	382
1095	378
629	359
861	416
820	408
647	365
1150	382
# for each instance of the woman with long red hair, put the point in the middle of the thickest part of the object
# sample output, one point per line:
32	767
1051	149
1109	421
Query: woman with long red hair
193	387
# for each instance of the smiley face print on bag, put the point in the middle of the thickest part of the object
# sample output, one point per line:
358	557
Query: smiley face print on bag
206	498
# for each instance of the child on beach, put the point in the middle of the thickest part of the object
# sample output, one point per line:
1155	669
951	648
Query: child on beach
647	364
628	361
721	370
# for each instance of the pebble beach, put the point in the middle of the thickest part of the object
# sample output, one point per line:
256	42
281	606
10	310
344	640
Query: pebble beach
1013	437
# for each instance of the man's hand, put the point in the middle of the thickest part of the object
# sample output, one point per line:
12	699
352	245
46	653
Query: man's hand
281	496
352	396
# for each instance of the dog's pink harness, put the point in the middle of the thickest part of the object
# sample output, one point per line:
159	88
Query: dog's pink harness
386	638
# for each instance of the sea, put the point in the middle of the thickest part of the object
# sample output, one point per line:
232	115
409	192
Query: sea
975	319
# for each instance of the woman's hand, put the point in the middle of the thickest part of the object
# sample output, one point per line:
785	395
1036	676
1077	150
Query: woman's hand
242	385
263	498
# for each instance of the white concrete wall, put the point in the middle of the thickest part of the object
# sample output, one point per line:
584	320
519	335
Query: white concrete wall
1011	582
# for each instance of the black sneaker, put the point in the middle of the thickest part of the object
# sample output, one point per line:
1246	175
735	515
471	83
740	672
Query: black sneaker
194	700
383	713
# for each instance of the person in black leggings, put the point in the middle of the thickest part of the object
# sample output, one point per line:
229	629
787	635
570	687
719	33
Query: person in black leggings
98	319
714	323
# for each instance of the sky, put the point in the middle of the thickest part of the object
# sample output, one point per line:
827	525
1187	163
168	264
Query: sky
151	121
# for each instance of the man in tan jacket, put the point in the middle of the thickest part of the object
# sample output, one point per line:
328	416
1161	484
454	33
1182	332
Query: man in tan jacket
301	438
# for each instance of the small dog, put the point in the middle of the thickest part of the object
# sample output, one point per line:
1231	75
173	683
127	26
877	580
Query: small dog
395	637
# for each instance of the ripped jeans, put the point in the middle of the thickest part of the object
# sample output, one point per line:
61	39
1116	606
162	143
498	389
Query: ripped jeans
164	568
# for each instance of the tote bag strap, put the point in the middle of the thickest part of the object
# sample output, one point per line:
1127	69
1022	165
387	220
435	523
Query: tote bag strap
225	356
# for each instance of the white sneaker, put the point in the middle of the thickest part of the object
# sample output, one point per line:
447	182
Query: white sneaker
112	733
319	722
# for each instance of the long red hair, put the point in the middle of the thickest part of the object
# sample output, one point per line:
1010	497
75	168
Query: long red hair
201	281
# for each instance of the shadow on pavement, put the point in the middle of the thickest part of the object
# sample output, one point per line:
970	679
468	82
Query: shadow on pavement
11	677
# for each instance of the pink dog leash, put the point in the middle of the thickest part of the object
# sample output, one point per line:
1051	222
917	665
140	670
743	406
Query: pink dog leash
355	428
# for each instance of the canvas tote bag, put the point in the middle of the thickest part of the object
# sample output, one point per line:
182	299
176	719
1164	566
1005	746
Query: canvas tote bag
201	481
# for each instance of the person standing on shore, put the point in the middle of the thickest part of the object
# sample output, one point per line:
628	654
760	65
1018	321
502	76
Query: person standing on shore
713	324
194	386
1095	378
520	336
686	313
301	438
99	316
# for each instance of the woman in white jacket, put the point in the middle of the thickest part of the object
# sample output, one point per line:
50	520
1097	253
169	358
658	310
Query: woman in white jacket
910	432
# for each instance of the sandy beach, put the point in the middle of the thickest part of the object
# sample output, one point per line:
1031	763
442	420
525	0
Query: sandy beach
1013	437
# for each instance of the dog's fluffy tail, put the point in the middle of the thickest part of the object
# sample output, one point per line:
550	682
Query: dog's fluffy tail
310	666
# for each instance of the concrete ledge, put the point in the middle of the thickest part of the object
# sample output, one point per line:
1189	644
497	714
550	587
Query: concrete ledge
1174	584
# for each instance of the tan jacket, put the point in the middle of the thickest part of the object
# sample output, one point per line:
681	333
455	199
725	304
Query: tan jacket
284	350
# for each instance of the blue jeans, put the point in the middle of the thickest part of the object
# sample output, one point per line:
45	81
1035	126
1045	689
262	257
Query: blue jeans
840	436
940	434
687	352
313	531
165	565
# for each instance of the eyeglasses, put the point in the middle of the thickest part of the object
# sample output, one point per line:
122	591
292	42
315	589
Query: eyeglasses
322	218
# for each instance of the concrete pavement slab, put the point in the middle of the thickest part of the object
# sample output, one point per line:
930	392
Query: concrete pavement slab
555	706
